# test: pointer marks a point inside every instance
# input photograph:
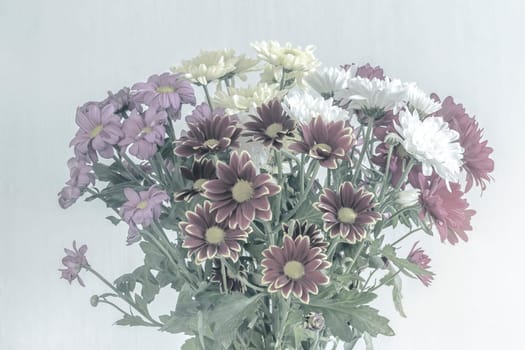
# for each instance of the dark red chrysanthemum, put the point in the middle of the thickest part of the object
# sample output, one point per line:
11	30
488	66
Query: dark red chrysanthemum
447	209
208	136
200	172
325	142
207	238
239	195
294	268
297	228
347	212
271	125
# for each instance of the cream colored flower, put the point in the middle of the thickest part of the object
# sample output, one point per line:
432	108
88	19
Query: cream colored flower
419	100
330	80
244	99
303	107
287	56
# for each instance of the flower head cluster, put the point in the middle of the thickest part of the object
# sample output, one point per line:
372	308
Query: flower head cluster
237	100
304	107
328	81
74	261
287	56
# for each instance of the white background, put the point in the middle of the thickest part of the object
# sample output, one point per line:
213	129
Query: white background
55	55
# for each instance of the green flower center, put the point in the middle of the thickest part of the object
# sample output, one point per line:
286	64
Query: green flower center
165	89
294	269
346	215
242	191
96	130
211	143
197	185
142	205
323	147
214	235
274	129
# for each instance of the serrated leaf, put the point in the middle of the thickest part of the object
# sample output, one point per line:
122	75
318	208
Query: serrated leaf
368	341
367	319
130	320
184	319
397	296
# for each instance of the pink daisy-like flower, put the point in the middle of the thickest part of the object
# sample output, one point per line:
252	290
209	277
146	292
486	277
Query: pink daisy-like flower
295	268
418	257
203	112
144	133
324	141
239	195
297	228
75	261
142	207
200	172
99	131
207	238
347	212
447	209
476	156
209	135
164	91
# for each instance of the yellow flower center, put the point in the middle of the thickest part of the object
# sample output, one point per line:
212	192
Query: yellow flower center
142	205
211	143
242	191
146	130
197	185
96	130
323	147
214	235
274	129
165	89
294	269
346	215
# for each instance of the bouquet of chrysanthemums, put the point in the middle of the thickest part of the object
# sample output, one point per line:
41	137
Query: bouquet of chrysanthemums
275	208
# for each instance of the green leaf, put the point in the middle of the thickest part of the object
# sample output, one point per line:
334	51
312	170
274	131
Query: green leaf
105	173
184	319
191	344
114	220
129	320
368	341
366	319
397	296
390	253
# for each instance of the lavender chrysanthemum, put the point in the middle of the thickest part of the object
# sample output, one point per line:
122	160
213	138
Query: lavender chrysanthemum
326	142
75	261
144	133
122	101
203	112
200	172
294	268
142	207
164	91
99	131
347	212
239	195
81	174
208	239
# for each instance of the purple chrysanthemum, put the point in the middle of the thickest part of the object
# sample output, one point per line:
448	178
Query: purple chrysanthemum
164	91
447	209
99	131
200	172
81	174
203	112
208	136
207	238
294	268
297	228
326	142
144	133
347	212
271	125
369	72
74	261
68	196
121	101
417	256
142	207
239	195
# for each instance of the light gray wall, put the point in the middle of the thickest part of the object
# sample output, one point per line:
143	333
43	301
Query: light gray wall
55	55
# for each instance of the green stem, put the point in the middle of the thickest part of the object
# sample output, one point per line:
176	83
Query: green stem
304	195
137	168
364	149
385	282
207	93
406	235
223	275
387	174
283	80
356	256
278	161
406	171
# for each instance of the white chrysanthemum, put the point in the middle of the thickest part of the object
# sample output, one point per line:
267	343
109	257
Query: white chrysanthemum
213	65
303	107
408	198
433	143
330	80
371	94
258	152
287	56
244	99
419	100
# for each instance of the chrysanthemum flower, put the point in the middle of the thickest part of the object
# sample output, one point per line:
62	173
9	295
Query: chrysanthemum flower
75	261
433	143
304	107
203	112
200	172
407	198
122	101
369	72
347	212
476	156
295	268
239	195
207	238
99	131
325	142
446	209
287	56
305	228
417	99
143	207
271	125
208	136
68	196
259	153
329	80
417	256
81	174
244	99
144	133
164	91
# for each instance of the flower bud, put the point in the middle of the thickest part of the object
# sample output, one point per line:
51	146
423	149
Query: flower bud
314	321
393	139
94	300
407	198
